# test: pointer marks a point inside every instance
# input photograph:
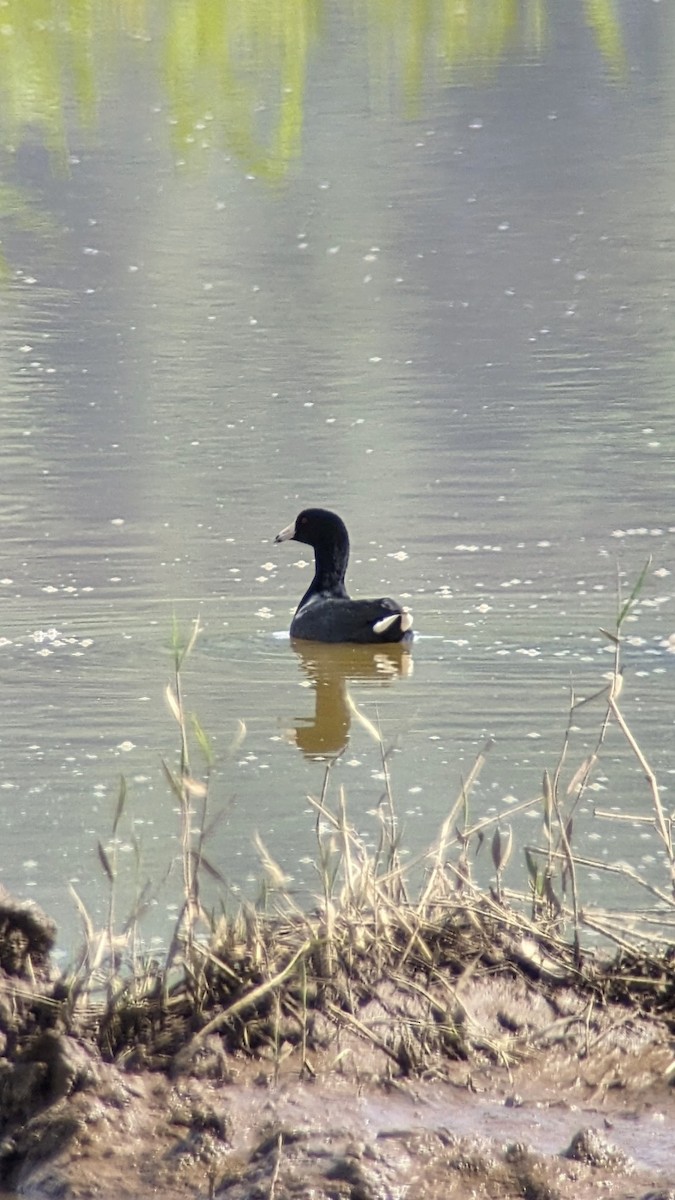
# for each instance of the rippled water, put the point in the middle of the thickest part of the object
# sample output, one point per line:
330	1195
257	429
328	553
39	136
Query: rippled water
434	294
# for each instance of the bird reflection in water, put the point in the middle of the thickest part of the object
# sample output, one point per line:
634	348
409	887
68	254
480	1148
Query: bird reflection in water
329	669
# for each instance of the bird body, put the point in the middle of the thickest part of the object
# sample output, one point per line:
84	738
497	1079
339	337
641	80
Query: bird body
326	612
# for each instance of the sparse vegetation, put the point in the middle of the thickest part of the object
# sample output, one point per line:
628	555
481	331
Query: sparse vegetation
270	975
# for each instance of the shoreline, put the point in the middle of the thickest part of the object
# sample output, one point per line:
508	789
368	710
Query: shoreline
531	1084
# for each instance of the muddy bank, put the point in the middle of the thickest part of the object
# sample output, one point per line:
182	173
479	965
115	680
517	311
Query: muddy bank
561	1093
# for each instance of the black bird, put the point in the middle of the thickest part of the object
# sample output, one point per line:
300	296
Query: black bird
326	612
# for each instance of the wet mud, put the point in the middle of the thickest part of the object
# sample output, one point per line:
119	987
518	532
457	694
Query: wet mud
578	1103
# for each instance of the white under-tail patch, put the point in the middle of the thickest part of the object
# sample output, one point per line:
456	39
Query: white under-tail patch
406	620
386	623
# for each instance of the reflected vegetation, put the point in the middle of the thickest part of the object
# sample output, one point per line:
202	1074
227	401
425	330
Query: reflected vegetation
451	37
602	18
329	670
238	71
235	74
410	44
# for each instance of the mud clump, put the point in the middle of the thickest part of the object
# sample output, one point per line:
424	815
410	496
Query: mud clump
590	1146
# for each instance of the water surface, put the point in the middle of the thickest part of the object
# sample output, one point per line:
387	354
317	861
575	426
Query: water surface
421	276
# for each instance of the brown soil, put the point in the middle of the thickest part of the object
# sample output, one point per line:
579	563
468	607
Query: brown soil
579	1107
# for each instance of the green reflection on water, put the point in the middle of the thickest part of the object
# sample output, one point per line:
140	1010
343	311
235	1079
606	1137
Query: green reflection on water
234	72
238	70
602	18
420	42
40	43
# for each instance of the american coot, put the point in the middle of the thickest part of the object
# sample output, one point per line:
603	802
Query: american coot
326	613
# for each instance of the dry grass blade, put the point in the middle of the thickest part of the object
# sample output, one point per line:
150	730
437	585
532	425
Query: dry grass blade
274	873
582	774
195	789
84	915
509	810
663	823
439	850
621	869
363	720
630	818
238	740
172	703
346	836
